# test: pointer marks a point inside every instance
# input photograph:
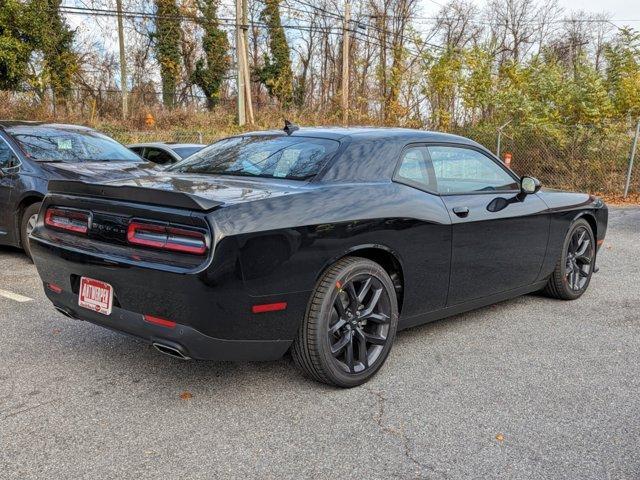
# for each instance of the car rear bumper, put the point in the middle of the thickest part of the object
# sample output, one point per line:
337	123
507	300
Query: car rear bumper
191	343
213	315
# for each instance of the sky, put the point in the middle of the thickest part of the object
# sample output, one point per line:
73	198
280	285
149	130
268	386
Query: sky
619	9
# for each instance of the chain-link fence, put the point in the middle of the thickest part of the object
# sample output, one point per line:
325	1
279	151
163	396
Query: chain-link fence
152	136
579	158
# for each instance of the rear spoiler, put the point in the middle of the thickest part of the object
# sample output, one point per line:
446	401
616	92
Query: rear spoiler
147	196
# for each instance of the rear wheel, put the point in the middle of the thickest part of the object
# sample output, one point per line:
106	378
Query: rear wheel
350	324
574	269
27	224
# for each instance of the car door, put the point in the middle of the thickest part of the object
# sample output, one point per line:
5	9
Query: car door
8	167
499	236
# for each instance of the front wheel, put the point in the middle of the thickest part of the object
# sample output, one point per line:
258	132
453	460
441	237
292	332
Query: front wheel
27	224
350	324
574	269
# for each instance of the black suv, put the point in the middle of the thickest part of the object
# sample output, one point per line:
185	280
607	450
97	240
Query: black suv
33	153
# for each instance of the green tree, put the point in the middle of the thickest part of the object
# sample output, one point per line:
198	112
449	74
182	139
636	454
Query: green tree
15	51
210	71
623	72
443	77
167	45
49	34
276	74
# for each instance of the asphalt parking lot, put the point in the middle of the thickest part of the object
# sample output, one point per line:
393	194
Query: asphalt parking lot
529	388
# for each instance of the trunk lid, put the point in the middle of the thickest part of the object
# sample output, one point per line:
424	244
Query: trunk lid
190	191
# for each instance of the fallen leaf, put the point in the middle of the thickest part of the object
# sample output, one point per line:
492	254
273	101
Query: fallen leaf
186	395
500	437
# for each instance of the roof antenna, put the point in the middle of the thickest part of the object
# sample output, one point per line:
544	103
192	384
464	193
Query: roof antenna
289	127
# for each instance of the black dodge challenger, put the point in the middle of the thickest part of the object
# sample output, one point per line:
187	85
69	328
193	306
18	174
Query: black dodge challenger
323	242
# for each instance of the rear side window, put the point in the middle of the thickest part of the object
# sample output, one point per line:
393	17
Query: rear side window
415	169
295	158
463	170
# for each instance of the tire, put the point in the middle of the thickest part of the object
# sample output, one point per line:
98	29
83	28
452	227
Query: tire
353	311
572	274
28	216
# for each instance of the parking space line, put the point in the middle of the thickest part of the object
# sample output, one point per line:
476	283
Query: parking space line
14	296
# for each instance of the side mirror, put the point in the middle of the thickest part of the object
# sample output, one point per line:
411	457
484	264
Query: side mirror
529	185
9	167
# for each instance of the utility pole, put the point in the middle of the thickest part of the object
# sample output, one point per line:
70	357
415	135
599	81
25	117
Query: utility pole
123	62
345	63
242	119
245	55
632	156
498	147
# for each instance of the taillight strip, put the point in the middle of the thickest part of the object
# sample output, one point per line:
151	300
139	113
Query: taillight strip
66	219
167	237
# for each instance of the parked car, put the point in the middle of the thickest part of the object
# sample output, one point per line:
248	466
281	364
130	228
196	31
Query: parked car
165	153
32	153
323	242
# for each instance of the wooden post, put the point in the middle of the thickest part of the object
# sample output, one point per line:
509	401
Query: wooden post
242	120
245	62
345	63
123	62
632	156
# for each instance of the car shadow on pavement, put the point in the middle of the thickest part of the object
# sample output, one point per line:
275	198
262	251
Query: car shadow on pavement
134	361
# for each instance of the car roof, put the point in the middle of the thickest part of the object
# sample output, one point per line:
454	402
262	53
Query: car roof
23	123
168	145
370	133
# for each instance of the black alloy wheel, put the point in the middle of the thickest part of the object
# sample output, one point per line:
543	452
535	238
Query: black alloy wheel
350	324
360	321
27	224
579	259
574	269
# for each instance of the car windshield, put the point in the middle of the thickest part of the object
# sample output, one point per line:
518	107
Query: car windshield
65	145
184	152
270	156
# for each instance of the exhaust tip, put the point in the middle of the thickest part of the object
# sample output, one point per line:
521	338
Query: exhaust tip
172	351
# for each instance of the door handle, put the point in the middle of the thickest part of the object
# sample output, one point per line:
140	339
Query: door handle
462	212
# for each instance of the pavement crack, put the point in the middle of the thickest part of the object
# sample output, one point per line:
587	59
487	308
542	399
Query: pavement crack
399	433
27	409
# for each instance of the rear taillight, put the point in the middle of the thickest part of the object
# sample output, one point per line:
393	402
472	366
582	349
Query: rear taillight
67	219
167	237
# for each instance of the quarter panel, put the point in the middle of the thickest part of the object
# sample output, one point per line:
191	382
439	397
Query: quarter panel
284	243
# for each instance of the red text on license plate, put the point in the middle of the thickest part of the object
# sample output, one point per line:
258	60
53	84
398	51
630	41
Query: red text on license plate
95	295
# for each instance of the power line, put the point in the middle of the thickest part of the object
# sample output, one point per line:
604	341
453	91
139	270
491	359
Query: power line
226	22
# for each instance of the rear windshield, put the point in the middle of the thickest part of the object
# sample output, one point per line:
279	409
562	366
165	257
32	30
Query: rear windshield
294	158
73	146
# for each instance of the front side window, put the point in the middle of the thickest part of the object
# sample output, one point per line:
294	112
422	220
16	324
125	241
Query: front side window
46	144
463	170
270	156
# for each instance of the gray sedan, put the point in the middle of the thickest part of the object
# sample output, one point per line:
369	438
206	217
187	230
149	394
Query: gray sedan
165	153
